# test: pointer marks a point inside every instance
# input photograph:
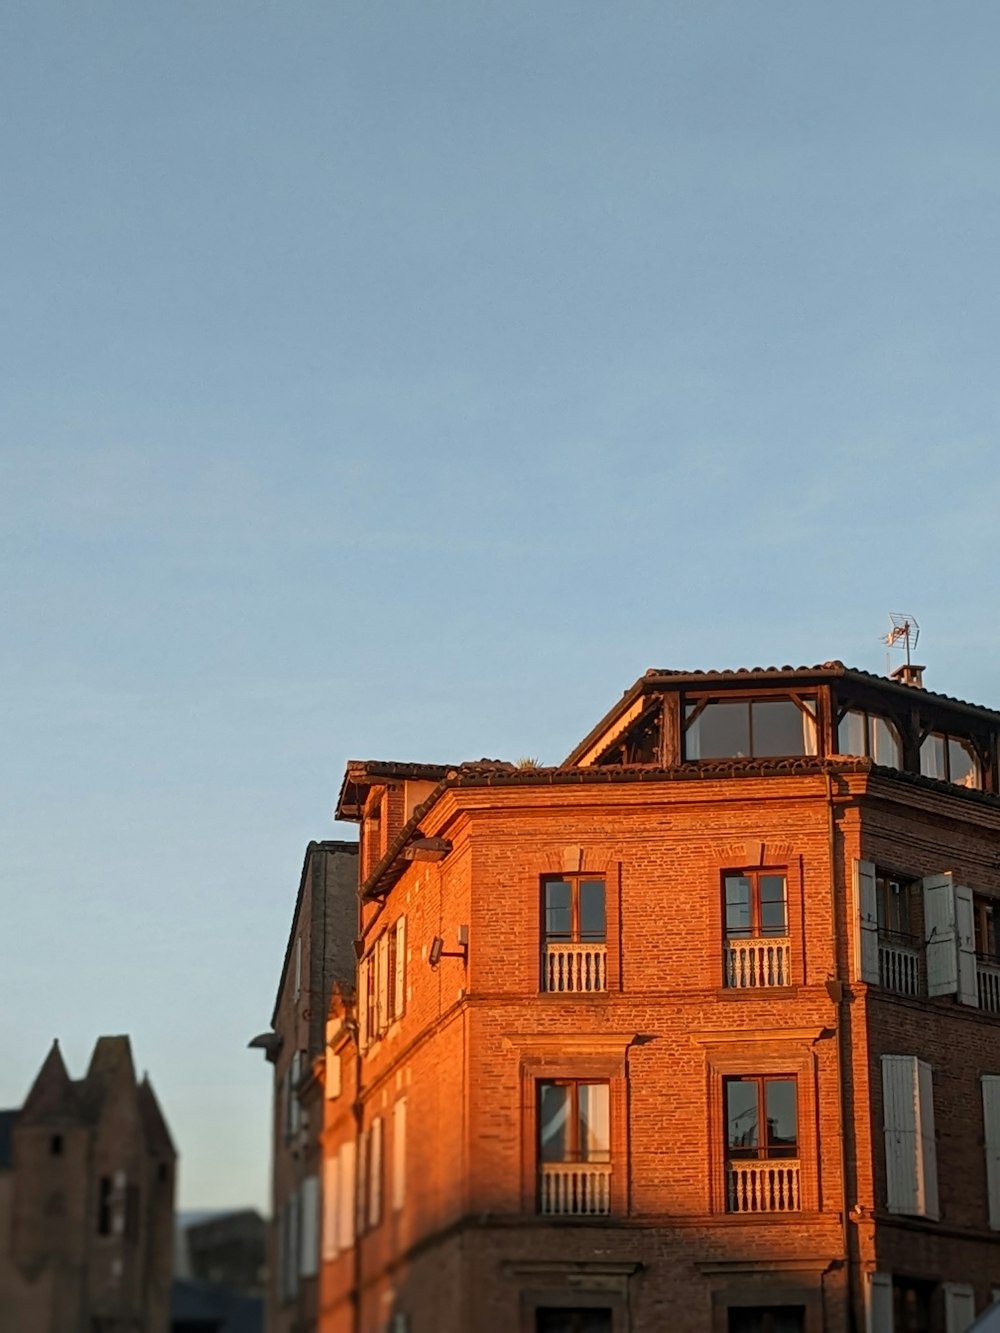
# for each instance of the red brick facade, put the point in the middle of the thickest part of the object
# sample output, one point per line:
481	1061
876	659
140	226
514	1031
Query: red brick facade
450	1221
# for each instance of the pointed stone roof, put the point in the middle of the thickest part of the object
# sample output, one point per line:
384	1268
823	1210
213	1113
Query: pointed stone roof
158	1139
111	1060
52	1094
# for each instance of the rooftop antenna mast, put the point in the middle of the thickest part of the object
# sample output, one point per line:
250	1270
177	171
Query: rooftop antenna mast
904	631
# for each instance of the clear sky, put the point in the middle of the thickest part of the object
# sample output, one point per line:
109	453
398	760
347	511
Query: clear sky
401	379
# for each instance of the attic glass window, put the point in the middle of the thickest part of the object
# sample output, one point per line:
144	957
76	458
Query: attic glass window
951	759
741	728
871	735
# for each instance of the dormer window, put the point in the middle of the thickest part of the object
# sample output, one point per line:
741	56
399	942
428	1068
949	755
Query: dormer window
871	735
779	725
950	759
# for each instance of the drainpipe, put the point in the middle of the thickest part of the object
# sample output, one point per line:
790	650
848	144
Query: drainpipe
359	1112
839	995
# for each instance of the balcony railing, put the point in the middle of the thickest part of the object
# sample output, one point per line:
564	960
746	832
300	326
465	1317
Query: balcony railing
575	1189
575	967
763	1187
898	967
758	963
988	980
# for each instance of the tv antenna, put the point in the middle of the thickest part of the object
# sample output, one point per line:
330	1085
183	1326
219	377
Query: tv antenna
904	632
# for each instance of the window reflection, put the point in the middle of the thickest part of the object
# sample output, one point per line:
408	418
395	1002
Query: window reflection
574	1122
950	759
871	735
743	728
755	1101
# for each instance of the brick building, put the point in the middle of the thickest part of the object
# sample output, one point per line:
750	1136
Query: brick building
87	1170
318	955
698	1031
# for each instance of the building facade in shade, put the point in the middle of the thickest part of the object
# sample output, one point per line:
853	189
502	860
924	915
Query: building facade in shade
319	955
699	1030
87	1171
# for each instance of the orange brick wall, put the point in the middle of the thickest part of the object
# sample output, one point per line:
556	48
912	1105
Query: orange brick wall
468	1251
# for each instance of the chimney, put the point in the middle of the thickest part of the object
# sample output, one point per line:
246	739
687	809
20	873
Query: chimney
909	674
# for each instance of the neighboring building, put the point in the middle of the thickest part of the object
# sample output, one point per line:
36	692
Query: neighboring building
320	952
87	1171
698	1031
227	1248
220	1273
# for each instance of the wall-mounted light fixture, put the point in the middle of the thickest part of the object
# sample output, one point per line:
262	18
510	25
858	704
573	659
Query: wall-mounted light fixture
438	951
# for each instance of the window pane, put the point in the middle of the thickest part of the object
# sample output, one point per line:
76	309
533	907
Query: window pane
558	910
963	767
773	914
782	1118
595	1122
724	730
932	756
851	733
741	1117
781	727
553	1122
592	923
767	1319
898	907
885	743
552	1320
737	905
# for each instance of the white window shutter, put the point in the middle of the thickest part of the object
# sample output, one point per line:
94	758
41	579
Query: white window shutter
292	1239
910	1148
331	1204
347	1186
295	1114
280	1220
959	1306
866	916
363	968
375	1173
927	1164
399	981
361	1194
309	1230
899	1110
332	1075
939	928
382	981
965	929
878	1303
286	1102
991	1127
399	1155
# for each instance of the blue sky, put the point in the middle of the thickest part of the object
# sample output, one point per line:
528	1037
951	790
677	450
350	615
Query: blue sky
402	380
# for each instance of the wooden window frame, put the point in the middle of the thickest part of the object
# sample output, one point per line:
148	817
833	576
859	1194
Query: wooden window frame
948	737
985	909
883	903
763	1056
574	879
584	1060
755	875
762	1152
871	716
574	1117
808	702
